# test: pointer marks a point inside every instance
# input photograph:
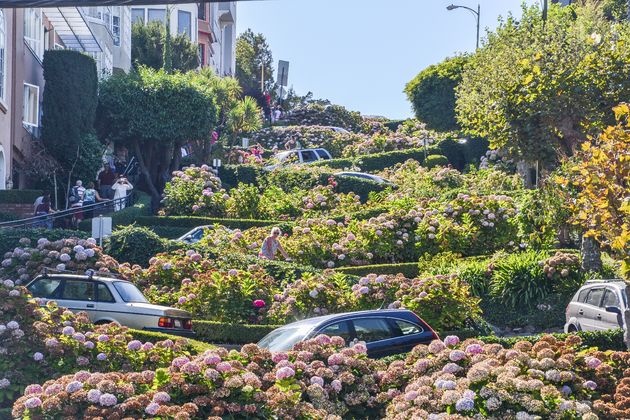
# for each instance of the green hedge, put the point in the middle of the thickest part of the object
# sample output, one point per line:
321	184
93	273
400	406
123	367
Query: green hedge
409	270
231	175
126	216
135	245
195	346
603	340
169	232
281	271
10	238
190	222
19	196
378	161
436	160
361	214
217	332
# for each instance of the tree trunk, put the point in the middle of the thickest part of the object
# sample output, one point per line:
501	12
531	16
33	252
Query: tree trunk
591	255
155	195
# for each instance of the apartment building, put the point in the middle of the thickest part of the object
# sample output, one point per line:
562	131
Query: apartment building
24	36
212	26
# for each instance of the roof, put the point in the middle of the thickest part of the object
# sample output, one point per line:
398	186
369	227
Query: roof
345	315
72	27
95	277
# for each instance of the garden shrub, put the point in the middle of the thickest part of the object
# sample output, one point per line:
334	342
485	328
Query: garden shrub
230	333
190	189
308	136
377	161
330	115
193	346
232	175
135	245
407	269
435	160
10	238
518	280
19	196
190	222
603	340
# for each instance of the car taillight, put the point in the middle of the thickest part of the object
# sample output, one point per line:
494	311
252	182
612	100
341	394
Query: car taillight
166	322
188	324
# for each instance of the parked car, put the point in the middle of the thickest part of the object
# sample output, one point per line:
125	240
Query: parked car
339	130
194	235
296	156
598	305
385	331
363	175
107	299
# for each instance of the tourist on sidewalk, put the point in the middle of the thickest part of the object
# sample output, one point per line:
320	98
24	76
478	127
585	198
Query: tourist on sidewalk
120	189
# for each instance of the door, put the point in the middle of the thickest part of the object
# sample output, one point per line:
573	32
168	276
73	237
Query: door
610	320
45	288
377	334
323	154
589	314
106	307
338	329
408	335
79	295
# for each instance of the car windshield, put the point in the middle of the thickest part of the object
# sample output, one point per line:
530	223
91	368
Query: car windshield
283	339
129	293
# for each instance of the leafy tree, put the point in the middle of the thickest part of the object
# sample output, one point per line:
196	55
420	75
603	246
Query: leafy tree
538	91
252	56
294	101
69	111
602	177
432	93
154	114
148	48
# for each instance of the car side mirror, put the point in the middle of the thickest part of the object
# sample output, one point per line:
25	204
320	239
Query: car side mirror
613	309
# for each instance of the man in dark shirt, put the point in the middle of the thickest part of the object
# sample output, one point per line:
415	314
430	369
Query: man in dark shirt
106	179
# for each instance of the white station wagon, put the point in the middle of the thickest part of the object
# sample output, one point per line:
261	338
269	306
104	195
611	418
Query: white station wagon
108	300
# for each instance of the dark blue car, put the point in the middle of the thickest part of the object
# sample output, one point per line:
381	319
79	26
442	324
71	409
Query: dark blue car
385	331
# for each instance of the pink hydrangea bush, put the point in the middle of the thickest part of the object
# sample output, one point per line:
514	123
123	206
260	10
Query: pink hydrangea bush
190	189
320	378
71	254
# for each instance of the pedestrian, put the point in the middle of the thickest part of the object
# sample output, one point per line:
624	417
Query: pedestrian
120	189
106	179
44	209
277	113
257	152
290	144
40	199
271	245
75	199
91	197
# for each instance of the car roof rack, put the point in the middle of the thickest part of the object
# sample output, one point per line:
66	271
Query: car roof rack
603	281
90	273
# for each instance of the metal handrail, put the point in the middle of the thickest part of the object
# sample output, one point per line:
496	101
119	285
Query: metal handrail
64	213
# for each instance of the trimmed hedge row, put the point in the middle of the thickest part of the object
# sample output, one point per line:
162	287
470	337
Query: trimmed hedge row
196	346
19	196
10	237
603	340
379	161
217	332
190	222
126	216
409	270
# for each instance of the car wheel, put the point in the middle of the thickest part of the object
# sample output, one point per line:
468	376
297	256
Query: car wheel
103	322
572	328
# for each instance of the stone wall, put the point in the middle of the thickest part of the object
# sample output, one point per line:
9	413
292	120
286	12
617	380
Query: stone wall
23	210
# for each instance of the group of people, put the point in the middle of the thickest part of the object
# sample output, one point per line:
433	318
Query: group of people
82	199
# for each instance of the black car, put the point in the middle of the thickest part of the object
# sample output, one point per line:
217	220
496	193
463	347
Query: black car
385	331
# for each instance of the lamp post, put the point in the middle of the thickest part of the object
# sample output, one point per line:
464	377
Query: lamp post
477	14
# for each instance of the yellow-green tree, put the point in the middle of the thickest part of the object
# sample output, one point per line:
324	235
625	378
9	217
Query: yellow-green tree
602	178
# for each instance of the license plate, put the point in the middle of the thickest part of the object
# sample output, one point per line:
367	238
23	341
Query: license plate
178	323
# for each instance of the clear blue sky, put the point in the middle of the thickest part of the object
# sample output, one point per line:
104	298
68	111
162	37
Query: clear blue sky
361	53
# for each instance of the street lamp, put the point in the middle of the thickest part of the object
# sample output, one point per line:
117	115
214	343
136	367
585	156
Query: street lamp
477	13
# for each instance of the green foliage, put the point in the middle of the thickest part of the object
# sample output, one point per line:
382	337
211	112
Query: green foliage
326	115
510	88
432	93
376	161
126	216
435	160
135	245
232	175
224	333
69	111
603	340
518	280
147	48
409	270
190	222
253	56
192	346
19	196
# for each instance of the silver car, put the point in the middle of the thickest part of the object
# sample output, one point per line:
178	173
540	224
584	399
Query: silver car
108	300
598	305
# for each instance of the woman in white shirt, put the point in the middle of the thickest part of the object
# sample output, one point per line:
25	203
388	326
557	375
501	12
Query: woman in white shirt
120	189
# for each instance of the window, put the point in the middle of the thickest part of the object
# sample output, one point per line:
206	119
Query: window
129	293
201	13
34	31
323	154
595	297
116	30
3	55
202	54
582	295
183	23
31	105
78	290
372	329
137	16
309	156
103	294
45	288
340	329
610	299
407	328
157	15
